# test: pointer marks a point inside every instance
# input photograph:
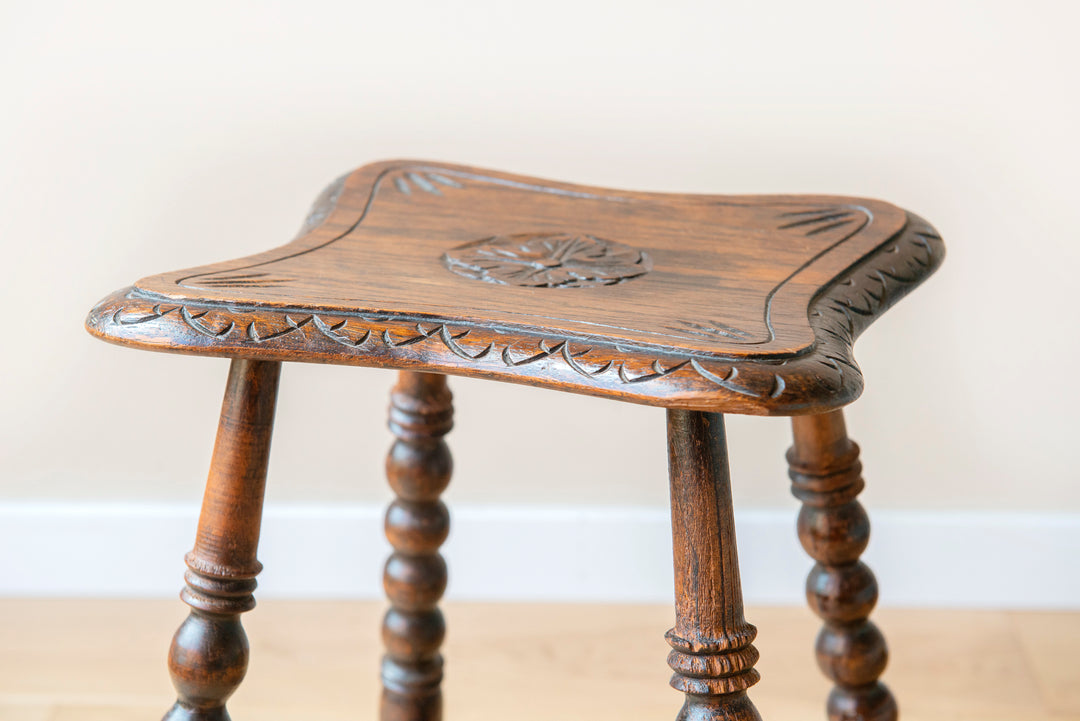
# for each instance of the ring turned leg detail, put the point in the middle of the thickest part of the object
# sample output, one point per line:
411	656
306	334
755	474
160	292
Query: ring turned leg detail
209	653
712	653
417	522
834	529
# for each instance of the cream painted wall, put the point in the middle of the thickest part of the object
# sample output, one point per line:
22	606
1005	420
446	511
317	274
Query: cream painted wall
138	137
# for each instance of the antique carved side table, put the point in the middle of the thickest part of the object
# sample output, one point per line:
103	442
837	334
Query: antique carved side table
699	304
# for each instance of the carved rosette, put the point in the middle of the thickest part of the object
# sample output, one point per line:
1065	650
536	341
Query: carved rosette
819	380
541	260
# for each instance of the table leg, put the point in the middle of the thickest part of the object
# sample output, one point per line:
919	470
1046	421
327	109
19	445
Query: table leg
209	653
417	522
712	653
834	529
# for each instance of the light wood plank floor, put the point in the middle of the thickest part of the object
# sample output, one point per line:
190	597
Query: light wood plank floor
98	660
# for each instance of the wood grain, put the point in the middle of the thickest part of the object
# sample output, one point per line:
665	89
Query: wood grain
418	467
745	304
700	304
99	660
209	653
712	652
826	476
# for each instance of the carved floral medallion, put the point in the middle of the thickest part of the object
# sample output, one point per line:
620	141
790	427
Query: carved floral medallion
542	260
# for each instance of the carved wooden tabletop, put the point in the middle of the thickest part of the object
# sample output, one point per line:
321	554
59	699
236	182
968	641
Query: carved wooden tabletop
744	304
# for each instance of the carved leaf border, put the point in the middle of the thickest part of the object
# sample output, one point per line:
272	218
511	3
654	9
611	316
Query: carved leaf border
837	316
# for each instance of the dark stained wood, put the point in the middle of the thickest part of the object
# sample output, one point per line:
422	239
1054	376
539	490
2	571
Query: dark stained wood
712	651
418	468
209	653
700	304
746	304
826	476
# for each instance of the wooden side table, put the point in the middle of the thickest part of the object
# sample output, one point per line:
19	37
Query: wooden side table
702	305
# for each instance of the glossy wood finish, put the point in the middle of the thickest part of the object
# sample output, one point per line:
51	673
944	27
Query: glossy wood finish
834	529
745	304
712	652
209	653
700	304
418	467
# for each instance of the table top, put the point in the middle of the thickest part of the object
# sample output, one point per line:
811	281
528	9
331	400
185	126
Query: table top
744	304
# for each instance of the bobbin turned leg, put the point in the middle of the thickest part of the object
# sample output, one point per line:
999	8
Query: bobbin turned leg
417	522
826	476
712	653
209	653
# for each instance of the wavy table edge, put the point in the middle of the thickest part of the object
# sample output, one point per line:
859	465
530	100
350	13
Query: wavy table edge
822	379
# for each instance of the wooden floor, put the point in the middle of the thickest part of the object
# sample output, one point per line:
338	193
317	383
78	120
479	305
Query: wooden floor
312	661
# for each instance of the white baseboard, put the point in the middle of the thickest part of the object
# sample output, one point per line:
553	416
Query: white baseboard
921	558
